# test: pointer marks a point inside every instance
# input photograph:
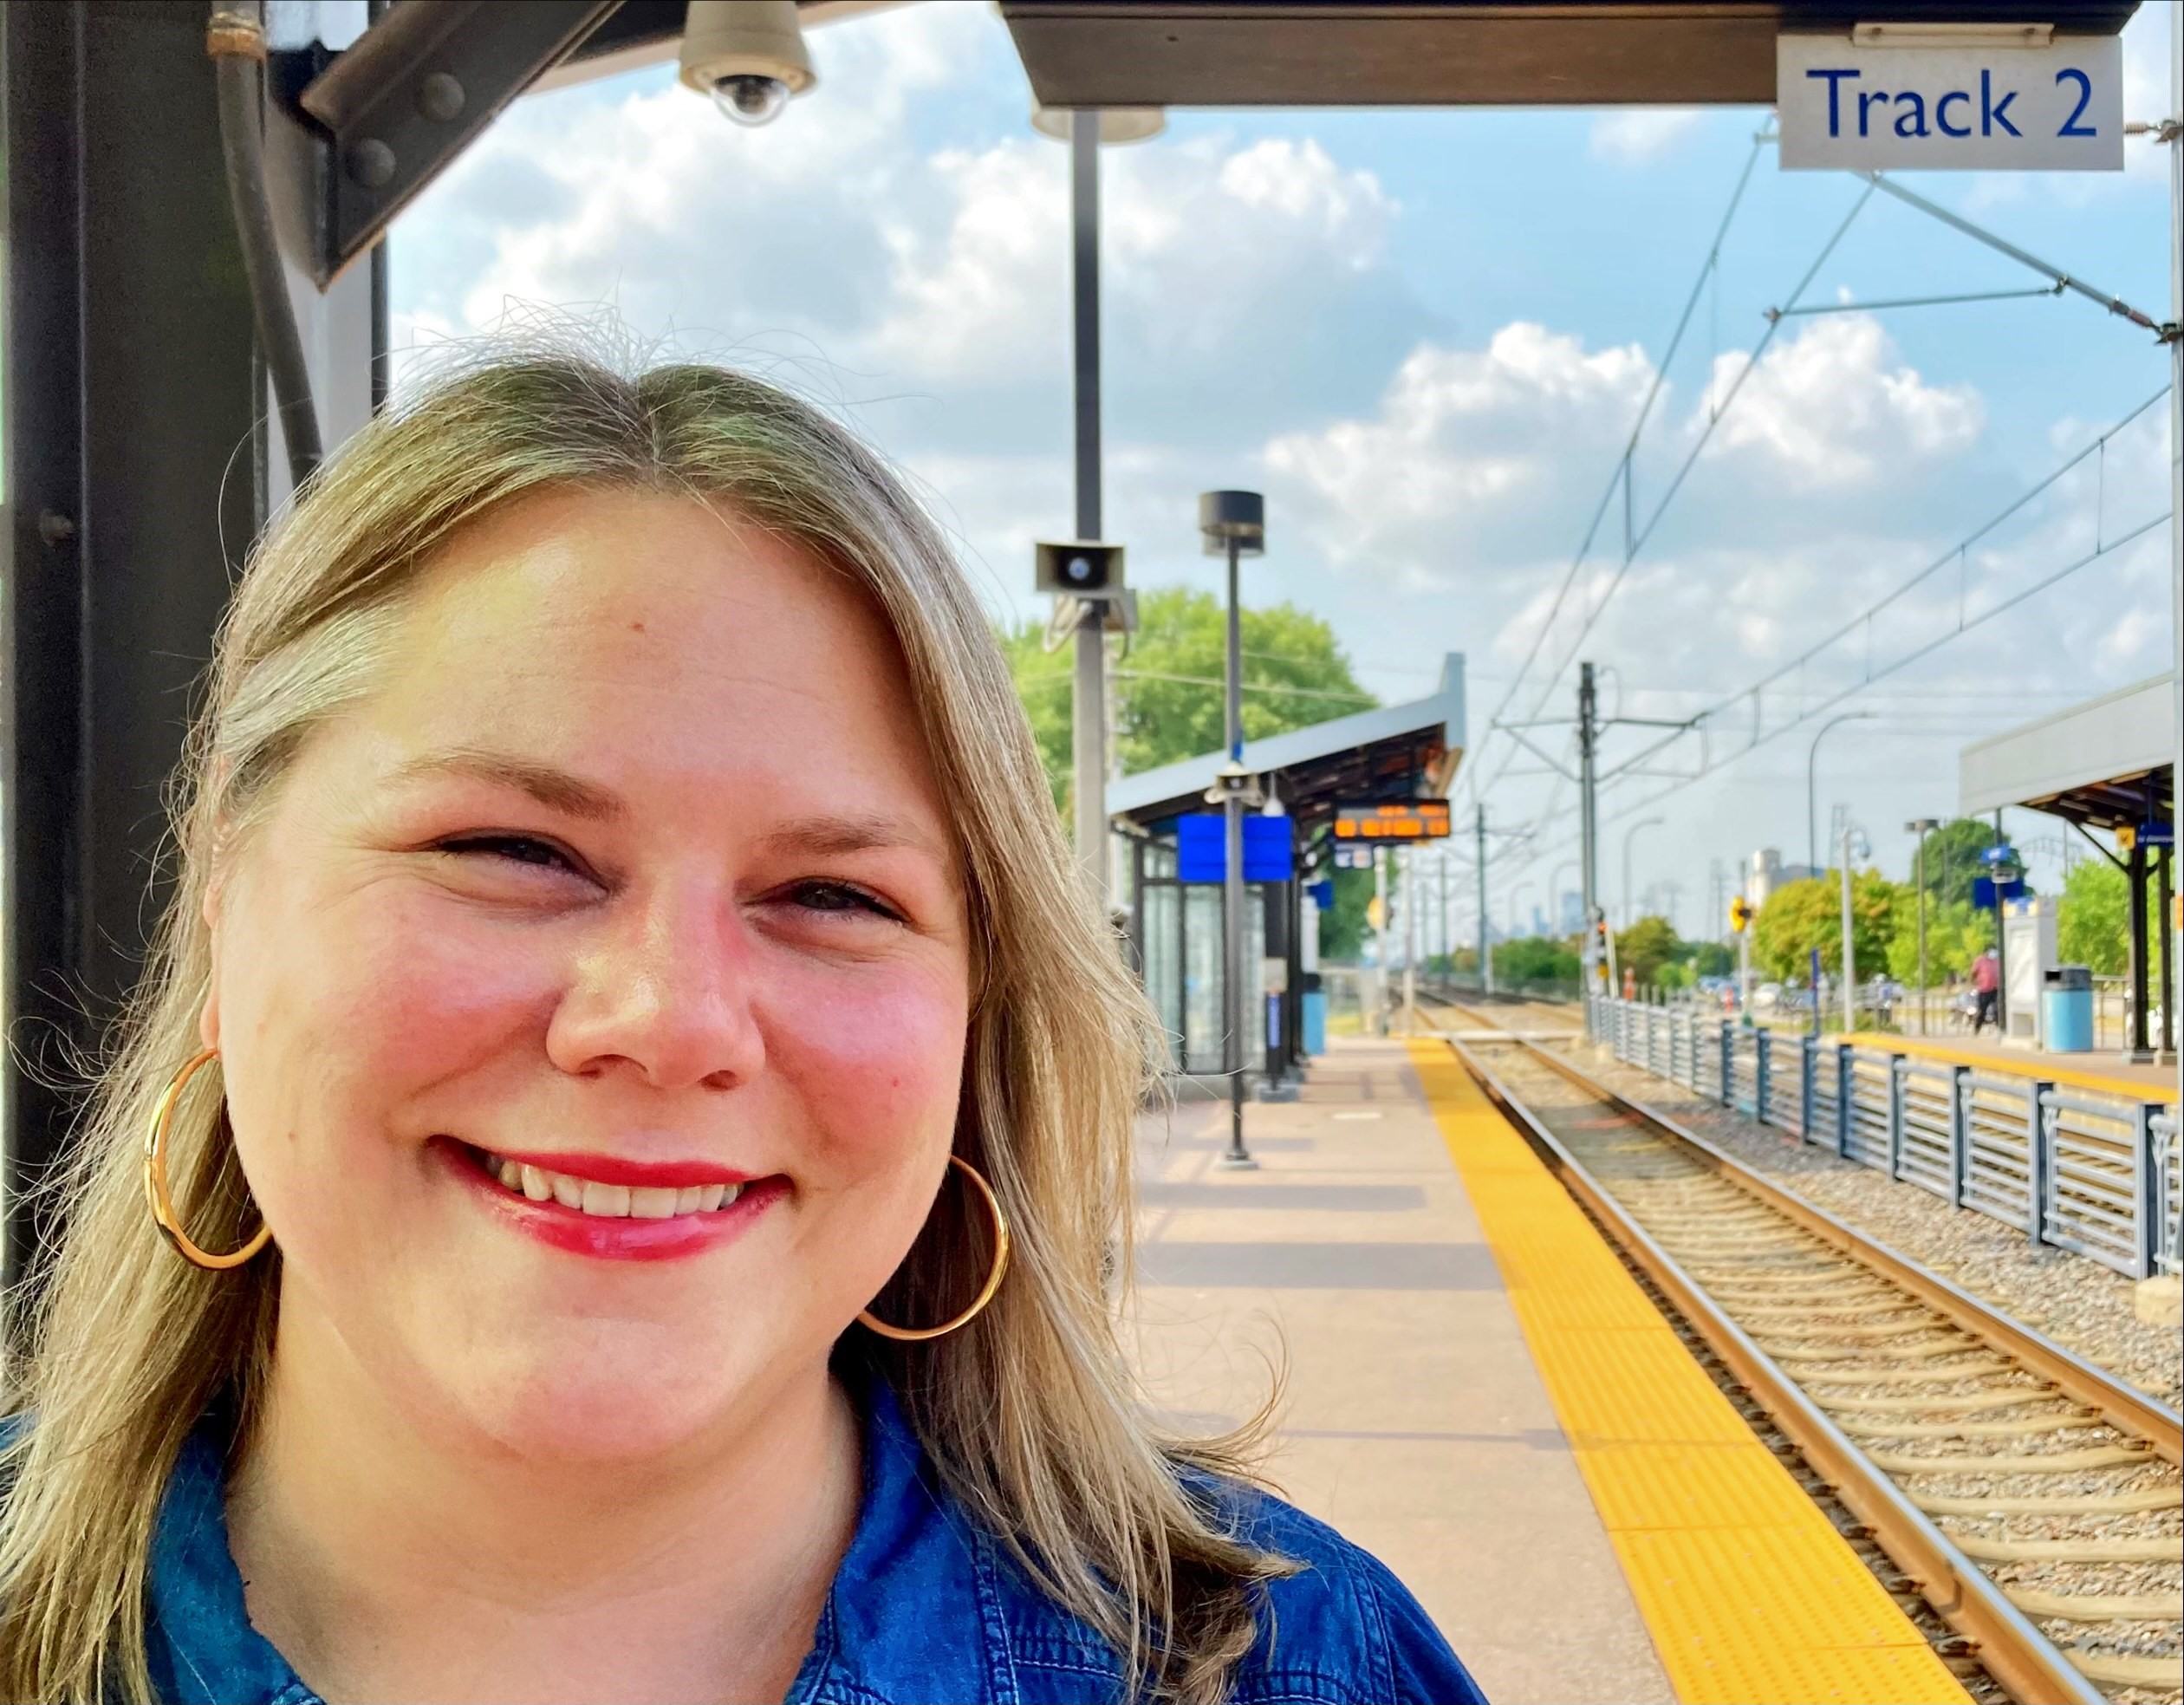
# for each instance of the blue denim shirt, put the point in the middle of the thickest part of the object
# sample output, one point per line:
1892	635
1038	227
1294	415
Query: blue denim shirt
926	1608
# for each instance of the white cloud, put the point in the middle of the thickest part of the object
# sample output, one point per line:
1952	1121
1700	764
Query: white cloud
1828	411
1638	134
1476	460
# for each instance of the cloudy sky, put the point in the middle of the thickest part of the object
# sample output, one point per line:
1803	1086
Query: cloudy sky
1427	337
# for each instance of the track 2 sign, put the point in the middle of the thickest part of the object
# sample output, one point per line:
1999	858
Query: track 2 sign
1851	105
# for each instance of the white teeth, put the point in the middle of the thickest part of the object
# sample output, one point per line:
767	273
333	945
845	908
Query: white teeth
612	1201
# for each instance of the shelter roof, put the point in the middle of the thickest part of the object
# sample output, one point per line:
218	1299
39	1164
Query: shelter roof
1379	757
2106	764
1440	53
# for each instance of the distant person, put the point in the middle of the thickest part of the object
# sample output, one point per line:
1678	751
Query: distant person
1986	985
618	901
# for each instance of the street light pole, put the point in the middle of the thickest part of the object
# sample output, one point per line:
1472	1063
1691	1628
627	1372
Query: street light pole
1812	807
1234	522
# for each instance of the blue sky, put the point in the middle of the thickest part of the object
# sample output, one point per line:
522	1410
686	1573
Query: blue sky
1426	335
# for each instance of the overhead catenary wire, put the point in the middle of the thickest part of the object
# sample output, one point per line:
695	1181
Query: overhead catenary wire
1706	270
1636	536
1966	620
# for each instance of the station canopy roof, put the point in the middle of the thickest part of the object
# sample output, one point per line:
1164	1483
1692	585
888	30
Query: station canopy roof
1449	53
1388	756
2106	764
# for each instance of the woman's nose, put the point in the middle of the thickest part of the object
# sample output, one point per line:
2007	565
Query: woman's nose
669	996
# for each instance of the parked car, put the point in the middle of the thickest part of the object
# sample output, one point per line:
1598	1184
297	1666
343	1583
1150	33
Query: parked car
1766	995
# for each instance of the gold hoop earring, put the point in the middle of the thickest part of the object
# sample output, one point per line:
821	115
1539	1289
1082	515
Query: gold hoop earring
911	1335
155	1179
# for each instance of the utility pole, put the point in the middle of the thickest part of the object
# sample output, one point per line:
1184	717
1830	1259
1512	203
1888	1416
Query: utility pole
1850	953
1446	941
1587	810
1380	940
1087	708
1485	946
1923	827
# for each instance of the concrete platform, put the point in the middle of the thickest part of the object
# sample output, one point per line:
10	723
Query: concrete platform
2103	1071
1413	1418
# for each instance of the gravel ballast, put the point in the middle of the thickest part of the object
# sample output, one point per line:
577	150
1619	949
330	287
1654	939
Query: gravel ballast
2078	1303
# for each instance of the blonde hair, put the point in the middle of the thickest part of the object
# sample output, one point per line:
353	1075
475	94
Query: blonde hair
1030	1412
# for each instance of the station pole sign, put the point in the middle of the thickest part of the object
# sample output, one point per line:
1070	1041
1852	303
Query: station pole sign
1952	98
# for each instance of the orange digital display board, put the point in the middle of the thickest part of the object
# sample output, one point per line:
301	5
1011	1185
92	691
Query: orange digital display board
1425	820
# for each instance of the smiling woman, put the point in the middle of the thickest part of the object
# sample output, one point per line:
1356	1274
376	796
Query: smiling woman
625	980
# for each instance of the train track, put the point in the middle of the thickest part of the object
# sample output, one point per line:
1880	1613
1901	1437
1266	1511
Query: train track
2032	1499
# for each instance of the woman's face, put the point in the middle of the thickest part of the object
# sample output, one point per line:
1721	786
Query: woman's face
632	873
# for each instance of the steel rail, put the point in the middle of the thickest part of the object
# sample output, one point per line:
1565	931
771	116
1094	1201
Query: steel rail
2006	1640
2122	1405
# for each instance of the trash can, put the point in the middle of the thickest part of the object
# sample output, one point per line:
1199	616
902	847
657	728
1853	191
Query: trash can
2066	1010
1315	1021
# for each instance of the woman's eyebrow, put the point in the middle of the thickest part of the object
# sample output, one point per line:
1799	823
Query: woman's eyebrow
854	832
554	788
830	833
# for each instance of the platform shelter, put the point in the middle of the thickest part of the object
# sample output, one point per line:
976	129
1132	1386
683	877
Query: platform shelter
2104	765
1396	754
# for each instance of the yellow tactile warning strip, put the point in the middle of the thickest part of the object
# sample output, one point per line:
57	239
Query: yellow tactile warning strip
2042	1066
1750	1594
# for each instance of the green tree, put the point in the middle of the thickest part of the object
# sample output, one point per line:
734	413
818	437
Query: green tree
1800	916
1956	933
1535	958
1711	958
1343	925
1169	701
1644	947
1953	862
2093	921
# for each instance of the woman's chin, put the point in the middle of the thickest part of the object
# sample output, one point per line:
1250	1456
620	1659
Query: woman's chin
599	1414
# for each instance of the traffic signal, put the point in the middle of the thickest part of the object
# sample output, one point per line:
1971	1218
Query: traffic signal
1739	913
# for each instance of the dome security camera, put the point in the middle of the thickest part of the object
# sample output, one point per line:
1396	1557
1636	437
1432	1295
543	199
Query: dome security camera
748	55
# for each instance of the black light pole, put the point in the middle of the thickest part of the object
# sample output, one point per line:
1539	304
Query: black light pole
1234	525
1922	827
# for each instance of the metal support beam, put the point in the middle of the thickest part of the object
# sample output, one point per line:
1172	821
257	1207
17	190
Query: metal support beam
411	94
1088	705
2141	1046
129	391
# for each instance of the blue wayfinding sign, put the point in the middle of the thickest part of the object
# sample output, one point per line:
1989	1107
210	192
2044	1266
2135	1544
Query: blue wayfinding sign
1201	849
1323	894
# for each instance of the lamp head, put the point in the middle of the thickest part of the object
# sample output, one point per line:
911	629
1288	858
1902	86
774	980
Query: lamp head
1233	516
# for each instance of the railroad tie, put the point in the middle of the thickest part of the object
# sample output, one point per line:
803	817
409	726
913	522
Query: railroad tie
2046	1463
1977	1402
2033	1427
2114	1503
2093	1607
2158	1674
2157	1550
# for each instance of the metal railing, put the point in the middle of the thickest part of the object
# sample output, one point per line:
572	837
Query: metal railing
2098	1174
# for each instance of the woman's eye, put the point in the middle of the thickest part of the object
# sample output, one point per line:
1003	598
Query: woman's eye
840	897
516	849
